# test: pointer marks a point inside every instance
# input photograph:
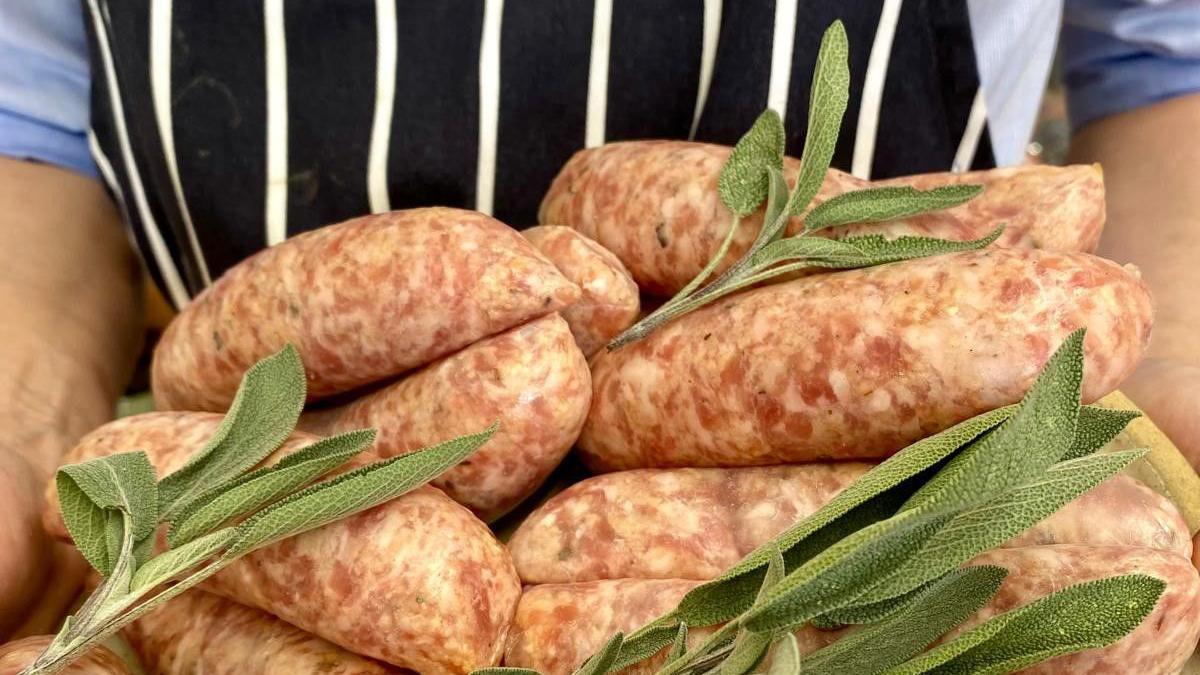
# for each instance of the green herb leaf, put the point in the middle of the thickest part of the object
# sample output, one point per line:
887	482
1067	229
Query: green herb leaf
749	648
866	613
874	205
679	644
839	573
92	496
1040	433
940	606
169	564
1098	426
646	643
880	250
1089	615
742	185
828	96
505	671
978	529
250	492
733	592
602	661
352	492
786	658
263	413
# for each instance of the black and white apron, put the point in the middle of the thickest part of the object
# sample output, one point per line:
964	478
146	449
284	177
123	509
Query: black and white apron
222	127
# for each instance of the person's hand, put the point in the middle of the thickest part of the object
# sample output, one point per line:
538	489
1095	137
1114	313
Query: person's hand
38	578
1169	392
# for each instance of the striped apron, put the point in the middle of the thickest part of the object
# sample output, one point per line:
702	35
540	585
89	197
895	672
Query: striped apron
223	127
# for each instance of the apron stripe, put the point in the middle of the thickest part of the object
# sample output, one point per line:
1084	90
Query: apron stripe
275	215
385	94
176	291
708	55
597	96
114	186
872	93
489	104
160	90
965	156
782	46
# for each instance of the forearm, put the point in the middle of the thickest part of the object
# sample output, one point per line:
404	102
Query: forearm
68	295
1151	160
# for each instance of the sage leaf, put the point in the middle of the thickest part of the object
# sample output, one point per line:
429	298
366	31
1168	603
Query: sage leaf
253	490
742	184
1088	615
645	644
984	527
874	205
749	648
601	661
880	250
866	613
165	566
1039	433
828	97
263	414
840	573
352	492
785	660
733	592
940	606
679	644
92	495
1098	426
505	671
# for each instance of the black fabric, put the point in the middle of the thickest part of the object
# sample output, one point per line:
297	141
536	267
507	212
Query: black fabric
219	101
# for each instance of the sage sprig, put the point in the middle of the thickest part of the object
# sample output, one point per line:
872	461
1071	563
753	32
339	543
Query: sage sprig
887	554
754	173
216	508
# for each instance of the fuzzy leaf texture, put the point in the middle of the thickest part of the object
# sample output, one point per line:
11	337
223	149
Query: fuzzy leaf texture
1098	426
92	496
733	592
828	97
263	414
742	184
939	607
875	205
1039	433
352	492
785	660
602	661
252	491
749	648
1089	615
169	564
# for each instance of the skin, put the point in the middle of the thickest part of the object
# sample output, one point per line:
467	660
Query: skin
68	295
1150	172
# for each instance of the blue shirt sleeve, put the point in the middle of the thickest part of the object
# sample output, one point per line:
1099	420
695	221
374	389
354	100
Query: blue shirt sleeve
44	83
1118	55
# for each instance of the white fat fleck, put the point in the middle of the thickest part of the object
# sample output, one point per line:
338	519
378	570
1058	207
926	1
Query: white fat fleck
879	401
764	510
952	310
840	384
597	285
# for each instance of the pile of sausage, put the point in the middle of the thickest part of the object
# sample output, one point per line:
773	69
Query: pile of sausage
710	436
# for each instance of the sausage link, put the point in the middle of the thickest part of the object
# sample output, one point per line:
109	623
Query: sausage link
655	205
1161	644
417	582
558	626
362	301
99	660
199	632
608	301
696	523
532	379
858	364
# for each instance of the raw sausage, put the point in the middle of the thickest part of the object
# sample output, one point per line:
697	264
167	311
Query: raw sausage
362	300
199	632
608	302
655	205
669	523
696	523
532	379
858	364
99	660
558	626
1161	644
417	582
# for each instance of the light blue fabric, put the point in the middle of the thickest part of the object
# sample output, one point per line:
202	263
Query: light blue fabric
44	83
1117	55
